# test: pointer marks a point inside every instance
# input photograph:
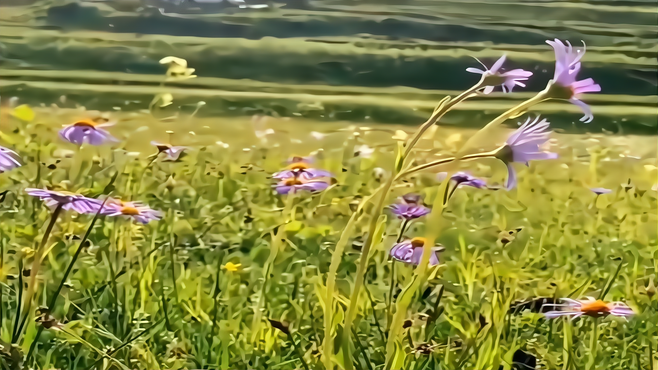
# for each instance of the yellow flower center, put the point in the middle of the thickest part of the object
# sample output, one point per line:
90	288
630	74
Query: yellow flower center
130	211
299	166
86	123
292	181
594	308
418	242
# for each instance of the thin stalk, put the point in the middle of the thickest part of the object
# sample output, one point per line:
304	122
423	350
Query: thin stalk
19	300
435	315
393	280
362	350
436	219
298	350
444	106
593	344
36	264
172	245
275	246
336	258
608	285
441	161
53	300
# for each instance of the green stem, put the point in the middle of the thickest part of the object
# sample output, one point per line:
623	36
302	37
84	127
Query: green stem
444	106
275	246
36	264
300	354
441	161
393	281
336	258
435	219
593	344
53	300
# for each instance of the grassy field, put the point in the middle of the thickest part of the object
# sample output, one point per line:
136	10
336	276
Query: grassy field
201	288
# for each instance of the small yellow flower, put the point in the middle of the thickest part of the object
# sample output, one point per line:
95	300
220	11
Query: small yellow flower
232	267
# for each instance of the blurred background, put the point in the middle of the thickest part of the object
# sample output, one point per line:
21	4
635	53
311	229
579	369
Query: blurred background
380	61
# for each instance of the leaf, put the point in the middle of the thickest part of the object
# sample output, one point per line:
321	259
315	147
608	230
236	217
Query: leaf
294	226
24	113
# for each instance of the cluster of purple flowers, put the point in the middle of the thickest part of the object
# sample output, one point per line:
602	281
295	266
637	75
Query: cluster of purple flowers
299	175
82	204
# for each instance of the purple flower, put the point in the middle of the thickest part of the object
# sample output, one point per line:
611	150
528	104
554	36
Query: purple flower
463	179
136	210
411	251
409	207
567	66
9	159
523	146
588	307
68	201
172	152
493	77
87	131
600	191
303	182
298	166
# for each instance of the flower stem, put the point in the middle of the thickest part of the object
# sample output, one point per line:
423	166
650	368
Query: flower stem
441	161
393	280
275	246
300	354
36	264
443	107
336	258
53	300
593	344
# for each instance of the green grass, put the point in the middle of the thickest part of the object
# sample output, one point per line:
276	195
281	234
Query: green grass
157	296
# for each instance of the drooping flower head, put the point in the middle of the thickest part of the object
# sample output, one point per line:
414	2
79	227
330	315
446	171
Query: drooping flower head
589	307
565	86
172	153
300	182
494	76
409	207
463	179
68	201
9	159
301	165
600	191
524	146
87	131
411	251
135	210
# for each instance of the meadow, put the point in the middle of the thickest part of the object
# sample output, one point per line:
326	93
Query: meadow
270	243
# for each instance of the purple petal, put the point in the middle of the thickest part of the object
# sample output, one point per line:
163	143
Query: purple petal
588	117
474	70
511	177
600	191
498	64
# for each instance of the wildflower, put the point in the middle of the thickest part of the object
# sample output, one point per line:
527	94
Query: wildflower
565	86
589	307
411	251
298	166
68	201
523	146
172	152
493	77
232	267
301	182
463	179
87	131
409	207
138	211
8	159
600	191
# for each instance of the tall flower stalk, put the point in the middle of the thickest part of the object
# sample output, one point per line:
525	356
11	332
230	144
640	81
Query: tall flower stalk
444	106
34	271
